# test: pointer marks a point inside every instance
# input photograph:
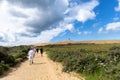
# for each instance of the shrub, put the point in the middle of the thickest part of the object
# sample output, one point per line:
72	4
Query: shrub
18	60
1	70
3	56
5	66
10	60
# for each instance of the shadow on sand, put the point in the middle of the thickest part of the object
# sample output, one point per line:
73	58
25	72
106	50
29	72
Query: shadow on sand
39	63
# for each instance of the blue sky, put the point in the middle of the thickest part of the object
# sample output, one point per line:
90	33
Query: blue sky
37	21
105	14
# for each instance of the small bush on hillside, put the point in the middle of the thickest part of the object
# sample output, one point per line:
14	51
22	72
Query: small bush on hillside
18	60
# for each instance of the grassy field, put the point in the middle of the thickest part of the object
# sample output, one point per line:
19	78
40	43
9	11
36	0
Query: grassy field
93	61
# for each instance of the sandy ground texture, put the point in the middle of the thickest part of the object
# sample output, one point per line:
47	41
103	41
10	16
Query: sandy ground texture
42	69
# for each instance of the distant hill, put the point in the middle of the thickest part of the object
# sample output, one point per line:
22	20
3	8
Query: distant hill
78	42
41	44
101	41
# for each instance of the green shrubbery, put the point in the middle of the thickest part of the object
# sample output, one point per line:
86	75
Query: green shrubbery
96	62
113	63
10	56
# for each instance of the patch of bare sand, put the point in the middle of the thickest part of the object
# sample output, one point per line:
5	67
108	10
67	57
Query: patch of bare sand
42	69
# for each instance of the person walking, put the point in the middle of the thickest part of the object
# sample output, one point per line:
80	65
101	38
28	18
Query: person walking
41	51
37	50
31	55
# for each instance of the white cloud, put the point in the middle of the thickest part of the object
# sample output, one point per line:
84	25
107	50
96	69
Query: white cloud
87	32
83	12
13	28
40	20
100	30
70	27
116	18
118	7
114	26
10	26
84	15
45	36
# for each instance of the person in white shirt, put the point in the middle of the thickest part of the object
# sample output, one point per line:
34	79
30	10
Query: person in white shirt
31	55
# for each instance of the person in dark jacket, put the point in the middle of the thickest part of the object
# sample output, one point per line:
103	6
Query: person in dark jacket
41	51
37	50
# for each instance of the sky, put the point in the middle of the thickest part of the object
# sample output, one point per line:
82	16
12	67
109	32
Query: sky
24	22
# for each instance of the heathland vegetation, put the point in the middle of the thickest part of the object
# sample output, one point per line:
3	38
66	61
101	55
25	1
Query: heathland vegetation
10	56
92	61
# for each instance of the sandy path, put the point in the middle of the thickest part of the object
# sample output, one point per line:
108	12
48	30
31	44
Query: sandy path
42	69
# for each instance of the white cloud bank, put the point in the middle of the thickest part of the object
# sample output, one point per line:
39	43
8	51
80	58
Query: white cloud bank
32	21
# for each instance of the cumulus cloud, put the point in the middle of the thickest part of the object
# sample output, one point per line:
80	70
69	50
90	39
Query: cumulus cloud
114	26
32	21
82	12
118	7
47	12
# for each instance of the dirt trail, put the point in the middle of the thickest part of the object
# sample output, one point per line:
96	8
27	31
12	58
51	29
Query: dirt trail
42	69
